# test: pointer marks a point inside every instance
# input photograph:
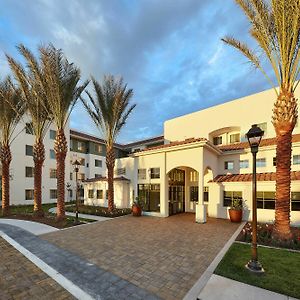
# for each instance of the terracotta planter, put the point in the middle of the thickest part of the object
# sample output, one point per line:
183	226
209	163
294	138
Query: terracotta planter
236	215
136	210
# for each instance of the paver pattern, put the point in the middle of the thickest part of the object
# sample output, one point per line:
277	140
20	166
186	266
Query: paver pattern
165	256
21	279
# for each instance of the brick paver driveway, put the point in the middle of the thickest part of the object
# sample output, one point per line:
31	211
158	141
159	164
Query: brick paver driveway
165	256
21	279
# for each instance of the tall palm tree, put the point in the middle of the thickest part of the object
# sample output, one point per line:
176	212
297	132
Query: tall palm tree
109	110
29	82
275	25
11	111
62	91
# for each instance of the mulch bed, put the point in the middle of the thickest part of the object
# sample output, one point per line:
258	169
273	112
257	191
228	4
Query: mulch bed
265	236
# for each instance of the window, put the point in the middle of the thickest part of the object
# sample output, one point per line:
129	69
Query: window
81	176
52	154
296	159
229	165
263	126
29	150
99	194
91	193
53	194
274	161
52	134
261	163
71	176
235	138
194	176
244	164
194	193
70	194
98	148
149	194
81	146
205	194
141	174
295	202
120	171
98	163
53	173
29	194
230	195
98	175
82	161
28	128
266	200
155	173
29	171
217	140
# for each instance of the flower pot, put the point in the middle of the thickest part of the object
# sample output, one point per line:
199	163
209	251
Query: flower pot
236	215
136	210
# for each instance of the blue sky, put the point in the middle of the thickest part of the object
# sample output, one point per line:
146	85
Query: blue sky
168	51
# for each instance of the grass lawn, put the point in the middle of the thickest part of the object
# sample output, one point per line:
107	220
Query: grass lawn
282	269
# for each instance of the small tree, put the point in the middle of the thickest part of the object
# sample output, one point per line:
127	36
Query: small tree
109	110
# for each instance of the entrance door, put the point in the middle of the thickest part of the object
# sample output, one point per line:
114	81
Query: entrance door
176	192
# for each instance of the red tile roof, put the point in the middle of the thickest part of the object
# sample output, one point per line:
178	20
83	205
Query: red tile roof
263	143
295	175
150	140
122	178
176	143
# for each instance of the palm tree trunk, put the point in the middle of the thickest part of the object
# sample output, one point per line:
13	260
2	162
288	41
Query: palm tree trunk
61	149
38	158
110	163
6	158
284	119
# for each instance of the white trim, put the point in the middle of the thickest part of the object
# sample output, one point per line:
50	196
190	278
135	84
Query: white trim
59	278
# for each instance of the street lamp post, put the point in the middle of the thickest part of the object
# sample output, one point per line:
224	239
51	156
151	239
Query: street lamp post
254	136
76	165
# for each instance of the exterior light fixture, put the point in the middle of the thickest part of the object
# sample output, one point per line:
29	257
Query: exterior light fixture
76	164
254	136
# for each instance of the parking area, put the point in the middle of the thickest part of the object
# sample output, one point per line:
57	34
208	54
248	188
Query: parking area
165	256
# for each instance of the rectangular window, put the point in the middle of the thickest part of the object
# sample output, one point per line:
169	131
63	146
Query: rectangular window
29	194
99	194
261	163
205	194
52	154
149	195
194	176
244	164
296	159
295	201
91	194
52	134
81	176
235	138
53	194
120	171
266	200
229	165
274	161
263	126
70	194
81	146
98	163
29	171
29	150
155	173
141	174
53	173
217	140
194	193
71	176
98	148
28	128
98	175
228	196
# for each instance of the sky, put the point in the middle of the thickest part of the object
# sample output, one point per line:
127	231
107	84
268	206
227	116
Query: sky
168	51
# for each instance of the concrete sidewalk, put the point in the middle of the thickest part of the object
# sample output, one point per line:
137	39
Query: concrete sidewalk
219	287
84	216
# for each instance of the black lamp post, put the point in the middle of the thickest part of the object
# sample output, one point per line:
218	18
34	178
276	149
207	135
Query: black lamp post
254	136
76	165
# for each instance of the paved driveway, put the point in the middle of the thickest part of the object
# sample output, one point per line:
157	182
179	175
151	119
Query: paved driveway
165	256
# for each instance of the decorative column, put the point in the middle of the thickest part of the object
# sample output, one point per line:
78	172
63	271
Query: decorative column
164	186
200	207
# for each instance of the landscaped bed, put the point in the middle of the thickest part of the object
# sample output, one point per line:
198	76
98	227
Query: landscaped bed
25	212
100	211
265	237
282	268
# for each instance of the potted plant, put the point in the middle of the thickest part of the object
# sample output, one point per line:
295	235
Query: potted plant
137	207
236	210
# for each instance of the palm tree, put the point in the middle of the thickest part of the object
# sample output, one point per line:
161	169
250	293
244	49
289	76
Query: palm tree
60	85
109	110
275	26
29	82
9	119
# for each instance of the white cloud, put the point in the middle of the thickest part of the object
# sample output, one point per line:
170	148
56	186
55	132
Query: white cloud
216	55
